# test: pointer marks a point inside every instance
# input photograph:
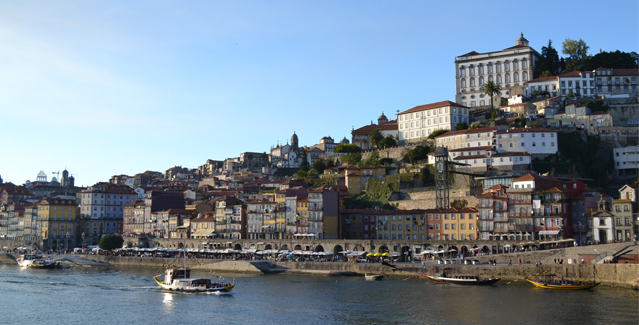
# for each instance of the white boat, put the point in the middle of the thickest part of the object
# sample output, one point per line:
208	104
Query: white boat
181	280
36	262
373	277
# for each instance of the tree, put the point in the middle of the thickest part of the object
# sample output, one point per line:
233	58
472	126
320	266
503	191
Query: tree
387	142
416	154
570	95
576	50
376	137
535	94
494	114
346	148
461	126
612	60
319	166
109	242
304	165
437	133
548	62
491	89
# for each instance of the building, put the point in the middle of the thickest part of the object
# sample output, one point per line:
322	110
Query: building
536	141
548	86
626	160
134	217
203	226
260	218
361	137
230	218
601	221
581	84
623	223
616	83
287	156
510	68
417	123
57	224
155	201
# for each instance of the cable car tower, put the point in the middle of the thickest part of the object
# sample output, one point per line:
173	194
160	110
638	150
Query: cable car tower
443	168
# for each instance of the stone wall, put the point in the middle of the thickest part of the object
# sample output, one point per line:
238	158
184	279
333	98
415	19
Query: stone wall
624	115
9	244
396	153
426	199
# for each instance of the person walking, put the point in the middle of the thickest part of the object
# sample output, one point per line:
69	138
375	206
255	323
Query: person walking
520	262
510	262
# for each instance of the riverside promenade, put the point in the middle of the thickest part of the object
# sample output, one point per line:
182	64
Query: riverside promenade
614	274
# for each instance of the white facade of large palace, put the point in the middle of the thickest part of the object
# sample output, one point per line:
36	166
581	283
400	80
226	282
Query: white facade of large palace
419	122
510	69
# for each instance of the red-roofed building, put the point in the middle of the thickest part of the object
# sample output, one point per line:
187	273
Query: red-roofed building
510	68
417	123
616	83
361	136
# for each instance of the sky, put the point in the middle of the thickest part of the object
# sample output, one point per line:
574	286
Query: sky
104	88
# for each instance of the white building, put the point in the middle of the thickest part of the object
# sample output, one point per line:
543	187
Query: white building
581	83
417	123
549	84
536	141
510	69
626	160
105	201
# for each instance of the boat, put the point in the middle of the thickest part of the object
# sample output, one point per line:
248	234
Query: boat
181	280
373	277
34	261
461	279
562	285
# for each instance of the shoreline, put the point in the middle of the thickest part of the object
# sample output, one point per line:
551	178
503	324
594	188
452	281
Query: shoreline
615	275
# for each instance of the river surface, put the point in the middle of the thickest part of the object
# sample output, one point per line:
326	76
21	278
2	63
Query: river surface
115	295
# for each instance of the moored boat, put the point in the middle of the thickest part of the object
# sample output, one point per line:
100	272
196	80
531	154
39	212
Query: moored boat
373	277
461	279
36	262
180	280
562	285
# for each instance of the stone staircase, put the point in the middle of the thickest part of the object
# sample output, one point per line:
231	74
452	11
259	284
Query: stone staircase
609	255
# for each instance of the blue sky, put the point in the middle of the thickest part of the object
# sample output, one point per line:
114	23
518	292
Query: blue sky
114	87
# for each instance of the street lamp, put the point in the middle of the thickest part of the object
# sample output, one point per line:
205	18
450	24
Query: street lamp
82	240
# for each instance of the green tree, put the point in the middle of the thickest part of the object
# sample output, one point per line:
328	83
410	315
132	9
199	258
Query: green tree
548	64
576	50
570	95
436	133
304	166
461	126
319	166
376	137
546	74
346	148
535	94
491	89
388	142
416	154
110	242
494	114
612	60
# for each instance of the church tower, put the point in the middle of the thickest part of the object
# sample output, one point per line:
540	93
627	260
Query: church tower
294	140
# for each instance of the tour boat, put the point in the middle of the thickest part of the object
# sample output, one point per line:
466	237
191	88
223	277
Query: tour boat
562	285
461	279
36	262
180	280
373	277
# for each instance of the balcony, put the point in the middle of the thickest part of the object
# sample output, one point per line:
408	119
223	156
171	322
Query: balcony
521	228
519	201
486	228
500	231
519	214
500	219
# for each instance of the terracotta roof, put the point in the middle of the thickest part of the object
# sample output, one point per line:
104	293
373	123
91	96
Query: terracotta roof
498	187
470	149
468	131
625	72
554	190
529	177
431	106
510	154
525	130
470	53
470	157
517	47
390	125
571	74
541	79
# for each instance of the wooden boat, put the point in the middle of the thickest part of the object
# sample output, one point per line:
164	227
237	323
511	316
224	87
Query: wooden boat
461	279
373	277
34	261
562	285
180	280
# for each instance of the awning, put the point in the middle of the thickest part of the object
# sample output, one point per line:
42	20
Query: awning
549	232
589	234
203	233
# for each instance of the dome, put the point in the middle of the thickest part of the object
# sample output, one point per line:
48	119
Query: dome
54	180
521	40
383	116
42	174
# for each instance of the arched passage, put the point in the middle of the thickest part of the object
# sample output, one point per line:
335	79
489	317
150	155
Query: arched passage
285	247
319	248
180	245
383	249
298	247
268	246
485	249
337	249
406	254
464	251
237	247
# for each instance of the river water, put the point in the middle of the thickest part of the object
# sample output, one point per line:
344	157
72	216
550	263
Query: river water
129	295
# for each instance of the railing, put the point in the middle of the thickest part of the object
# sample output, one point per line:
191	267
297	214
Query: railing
518	201
500	230
522	228
519	214
500	219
